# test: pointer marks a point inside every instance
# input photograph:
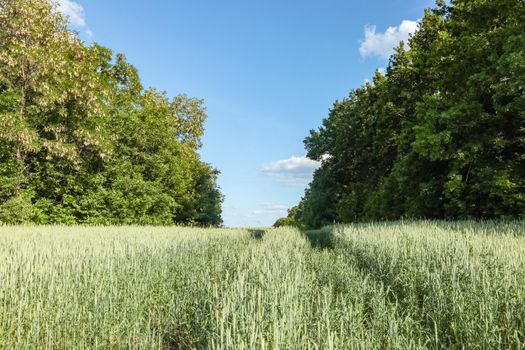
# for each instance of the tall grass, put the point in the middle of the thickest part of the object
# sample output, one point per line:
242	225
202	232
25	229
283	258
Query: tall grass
396	286
462	284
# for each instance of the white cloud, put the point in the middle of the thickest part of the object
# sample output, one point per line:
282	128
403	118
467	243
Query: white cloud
294	171
383	44
73	11
271	209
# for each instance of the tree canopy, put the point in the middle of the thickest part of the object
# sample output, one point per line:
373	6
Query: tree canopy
81	140
440	135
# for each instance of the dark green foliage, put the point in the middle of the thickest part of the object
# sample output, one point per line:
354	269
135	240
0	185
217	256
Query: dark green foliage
290	220
441	135
81	141
284	222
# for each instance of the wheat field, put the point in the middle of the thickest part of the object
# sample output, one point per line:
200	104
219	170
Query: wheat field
402	285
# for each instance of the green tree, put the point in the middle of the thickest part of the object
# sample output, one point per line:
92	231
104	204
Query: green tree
441	135
81	141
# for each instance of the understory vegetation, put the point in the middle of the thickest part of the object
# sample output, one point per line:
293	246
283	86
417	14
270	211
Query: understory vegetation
81	140
413	285
440	133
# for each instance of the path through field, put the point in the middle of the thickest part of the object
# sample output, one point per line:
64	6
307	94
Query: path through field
391	286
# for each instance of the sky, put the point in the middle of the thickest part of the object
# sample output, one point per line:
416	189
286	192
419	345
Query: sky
268	70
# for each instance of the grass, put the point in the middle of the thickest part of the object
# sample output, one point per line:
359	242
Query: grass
412	285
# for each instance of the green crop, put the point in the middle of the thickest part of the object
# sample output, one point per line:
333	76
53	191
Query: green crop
414	285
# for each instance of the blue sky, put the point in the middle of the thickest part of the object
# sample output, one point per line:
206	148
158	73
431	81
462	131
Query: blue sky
269	71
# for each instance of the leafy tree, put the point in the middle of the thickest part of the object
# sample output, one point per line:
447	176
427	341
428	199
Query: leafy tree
81	141
441	135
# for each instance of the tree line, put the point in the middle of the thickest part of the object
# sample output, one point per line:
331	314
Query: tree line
82	141
440	135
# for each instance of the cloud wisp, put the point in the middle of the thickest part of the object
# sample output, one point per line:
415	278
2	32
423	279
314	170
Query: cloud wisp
74	12
294	171
271	209
383	44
